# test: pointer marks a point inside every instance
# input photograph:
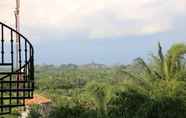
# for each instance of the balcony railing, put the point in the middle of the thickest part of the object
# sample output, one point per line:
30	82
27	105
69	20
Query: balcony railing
16	69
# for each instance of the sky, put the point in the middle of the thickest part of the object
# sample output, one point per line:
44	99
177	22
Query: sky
100	31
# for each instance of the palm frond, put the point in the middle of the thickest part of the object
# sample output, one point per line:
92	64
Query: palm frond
145	67
162	62
160	53
130	75
174	56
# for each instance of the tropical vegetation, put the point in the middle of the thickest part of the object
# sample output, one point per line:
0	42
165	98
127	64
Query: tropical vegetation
144	89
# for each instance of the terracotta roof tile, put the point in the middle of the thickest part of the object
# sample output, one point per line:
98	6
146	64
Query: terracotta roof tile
37	100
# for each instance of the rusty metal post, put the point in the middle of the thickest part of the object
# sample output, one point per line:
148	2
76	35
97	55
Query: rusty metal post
17	25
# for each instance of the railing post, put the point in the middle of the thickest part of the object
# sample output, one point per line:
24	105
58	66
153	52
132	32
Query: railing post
19	80
2	44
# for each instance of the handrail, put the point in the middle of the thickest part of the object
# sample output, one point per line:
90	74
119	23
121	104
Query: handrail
20	80
17	33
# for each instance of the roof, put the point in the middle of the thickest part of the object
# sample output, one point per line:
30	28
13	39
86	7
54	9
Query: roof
38	100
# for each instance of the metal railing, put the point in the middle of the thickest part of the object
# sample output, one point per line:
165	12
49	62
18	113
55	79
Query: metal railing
16	69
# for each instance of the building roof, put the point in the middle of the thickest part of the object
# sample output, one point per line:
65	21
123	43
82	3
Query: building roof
37	100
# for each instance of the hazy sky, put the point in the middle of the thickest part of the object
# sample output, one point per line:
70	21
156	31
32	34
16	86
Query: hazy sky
103	31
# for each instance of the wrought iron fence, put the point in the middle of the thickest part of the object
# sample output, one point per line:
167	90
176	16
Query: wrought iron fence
16	69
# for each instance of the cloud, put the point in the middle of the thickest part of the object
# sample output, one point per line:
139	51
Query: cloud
97	18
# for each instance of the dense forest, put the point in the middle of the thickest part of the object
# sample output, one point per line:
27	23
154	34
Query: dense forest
143	89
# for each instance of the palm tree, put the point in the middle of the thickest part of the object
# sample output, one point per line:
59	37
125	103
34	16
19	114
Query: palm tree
169	66
101	94
174	62
162	84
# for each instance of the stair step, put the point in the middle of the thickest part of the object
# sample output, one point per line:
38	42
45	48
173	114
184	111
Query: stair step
19	81
11	105
21	97
4	113
17	90
6	64
8	73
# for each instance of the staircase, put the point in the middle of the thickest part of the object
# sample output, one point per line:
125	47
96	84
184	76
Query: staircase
16	69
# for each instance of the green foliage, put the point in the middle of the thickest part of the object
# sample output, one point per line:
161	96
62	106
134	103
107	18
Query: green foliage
101	94
35	112
161	99
74	110
14	114
158	93
140	90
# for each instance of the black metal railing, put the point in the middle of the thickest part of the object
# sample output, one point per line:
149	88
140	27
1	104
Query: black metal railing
16	69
